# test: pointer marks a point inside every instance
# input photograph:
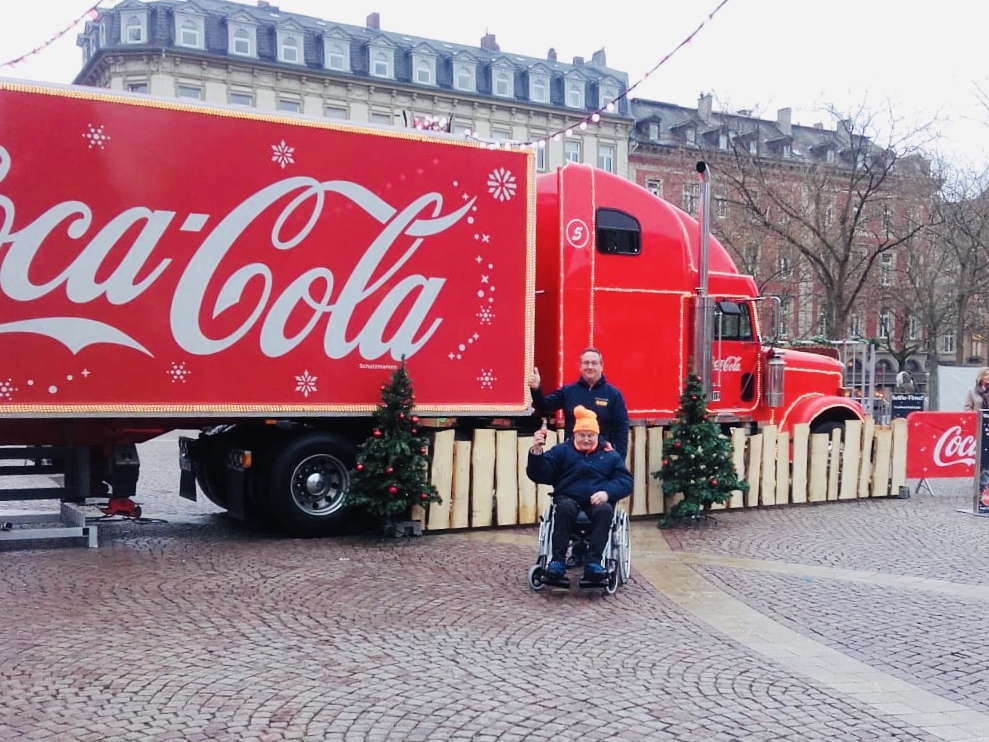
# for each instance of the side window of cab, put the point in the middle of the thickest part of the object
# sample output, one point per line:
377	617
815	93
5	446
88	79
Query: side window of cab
732	321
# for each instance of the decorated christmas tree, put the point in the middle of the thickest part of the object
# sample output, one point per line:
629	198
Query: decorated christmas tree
696	458
392	471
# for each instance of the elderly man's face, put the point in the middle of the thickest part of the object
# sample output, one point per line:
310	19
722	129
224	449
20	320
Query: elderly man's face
591	367
585	442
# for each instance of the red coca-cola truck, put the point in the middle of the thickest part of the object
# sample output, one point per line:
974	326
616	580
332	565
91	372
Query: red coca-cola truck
168	266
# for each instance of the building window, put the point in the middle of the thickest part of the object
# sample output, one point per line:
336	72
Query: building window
655	186
887	221
913	327
885	268
335	112
382	118
500	135
575	95
829	156
291	105
722	141
753	147
241	98
721	202
189	91
463	77
691	196
783	266
502	84
242	43
691	135
424	72
828	215
539	90
102	35
946	343
571	151
885	324
190	34
463	130
137	87
289	50
541	157
133	29
381	65
606	157
606	95
855	326
653	132
787	151
336	58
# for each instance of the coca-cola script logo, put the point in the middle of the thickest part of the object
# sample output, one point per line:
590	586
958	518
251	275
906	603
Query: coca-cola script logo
954	448
311	291
731	363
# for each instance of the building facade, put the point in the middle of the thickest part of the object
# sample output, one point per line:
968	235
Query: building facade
775	172
256	55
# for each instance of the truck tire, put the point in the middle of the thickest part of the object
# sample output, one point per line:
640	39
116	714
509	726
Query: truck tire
306	483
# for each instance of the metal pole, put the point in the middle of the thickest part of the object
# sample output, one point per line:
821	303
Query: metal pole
704	317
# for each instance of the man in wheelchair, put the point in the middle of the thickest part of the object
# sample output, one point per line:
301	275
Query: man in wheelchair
585	478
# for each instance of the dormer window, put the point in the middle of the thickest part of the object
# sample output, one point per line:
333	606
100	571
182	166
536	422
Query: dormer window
787	151
190	30
102	35
575	94
753	147
336	55
134	28
381	66
381	59
502	83
653	131
722	141
829	156
463	76
539	89
691	135
606	95
289	50
241	39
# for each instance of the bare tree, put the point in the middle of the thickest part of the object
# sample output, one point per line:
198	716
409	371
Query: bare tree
835	208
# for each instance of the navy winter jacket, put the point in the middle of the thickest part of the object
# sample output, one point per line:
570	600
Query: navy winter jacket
579	475
602	398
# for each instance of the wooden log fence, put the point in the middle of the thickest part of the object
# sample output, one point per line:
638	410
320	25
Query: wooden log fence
483	482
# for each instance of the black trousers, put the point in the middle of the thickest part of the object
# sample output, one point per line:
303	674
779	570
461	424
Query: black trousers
564	517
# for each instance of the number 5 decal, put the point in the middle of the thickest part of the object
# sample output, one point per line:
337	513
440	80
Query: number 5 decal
577	233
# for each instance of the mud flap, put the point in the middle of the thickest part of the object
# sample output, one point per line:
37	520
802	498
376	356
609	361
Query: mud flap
187	468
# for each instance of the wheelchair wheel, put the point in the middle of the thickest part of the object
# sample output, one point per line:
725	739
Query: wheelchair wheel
624	549
613	581
536	577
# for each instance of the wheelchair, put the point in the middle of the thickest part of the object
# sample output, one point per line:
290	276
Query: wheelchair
617	551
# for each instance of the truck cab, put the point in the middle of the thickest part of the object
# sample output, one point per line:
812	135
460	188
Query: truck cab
619	269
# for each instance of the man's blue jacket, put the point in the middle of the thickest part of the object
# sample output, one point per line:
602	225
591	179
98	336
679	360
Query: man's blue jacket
579	475
602	398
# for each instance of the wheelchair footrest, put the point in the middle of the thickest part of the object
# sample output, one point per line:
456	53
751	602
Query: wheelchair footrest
552	581
601	582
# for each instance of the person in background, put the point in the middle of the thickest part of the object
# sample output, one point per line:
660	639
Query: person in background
593	391
587	477
978	396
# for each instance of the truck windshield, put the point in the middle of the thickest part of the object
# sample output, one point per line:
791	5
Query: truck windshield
732	321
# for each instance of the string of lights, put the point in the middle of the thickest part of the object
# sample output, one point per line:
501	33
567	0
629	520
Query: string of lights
595	117
91	13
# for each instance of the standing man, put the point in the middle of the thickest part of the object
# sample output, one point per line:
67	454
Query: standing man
592	391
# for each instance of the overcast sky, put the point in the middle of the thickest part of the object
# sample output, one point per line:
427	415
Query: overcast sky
926	60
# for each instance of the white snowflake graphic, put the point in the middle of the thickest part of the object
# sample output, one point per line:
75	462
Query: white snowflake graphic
96	137
7	390
282	154
487	378
485	315
501	184
178	371
305	383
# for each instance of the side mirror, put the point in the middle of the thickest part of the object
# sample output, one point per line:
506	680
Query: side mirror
774	319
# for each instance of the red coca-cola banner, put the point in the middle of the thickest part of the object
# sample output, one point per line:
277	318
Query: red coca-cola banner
942	444
157	257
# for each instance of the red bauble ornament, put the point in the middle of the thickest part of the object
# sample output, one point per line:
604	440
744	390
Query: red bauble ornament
676	444
714	482
389	470
377	433
425	496
393	490
693	397
666	462
401	415
413	431
415	418
422	451
360	467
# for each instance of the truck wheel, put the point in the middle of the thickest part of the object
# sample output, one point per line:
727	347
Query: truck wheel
307	484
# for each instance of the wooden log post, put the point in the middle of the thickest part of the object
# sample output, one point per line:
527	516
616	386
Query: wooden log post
783	469
460	501
639	471
834	464
851	460
818	482
801	436
441	476
527	488
768	484
868	457
507	477
884	452
898	475
482	479
755	464
654	488
738	441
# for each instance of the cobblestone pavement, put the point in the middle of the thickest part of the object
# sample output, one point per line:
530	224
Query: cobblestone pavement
201	629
